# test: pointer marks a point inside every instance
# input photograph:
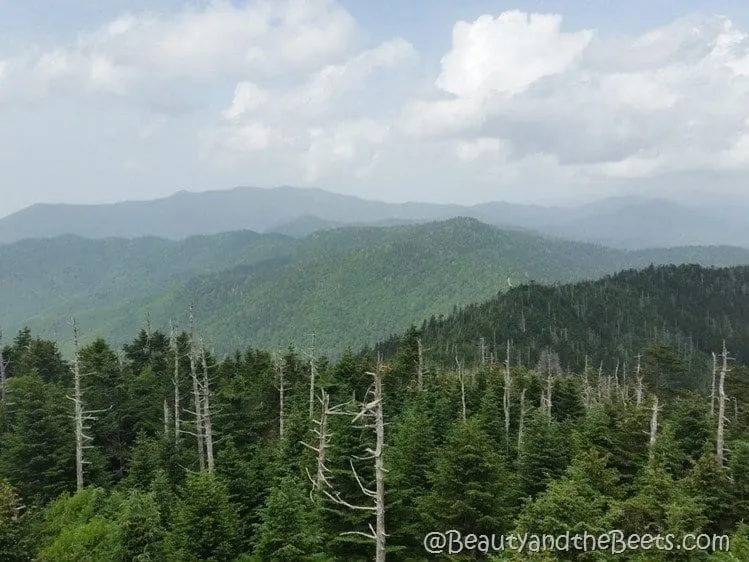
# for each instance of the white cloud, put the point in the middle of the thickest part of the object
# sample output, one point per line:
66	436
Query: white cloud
217	39
288	91
247	97
672	99
506	54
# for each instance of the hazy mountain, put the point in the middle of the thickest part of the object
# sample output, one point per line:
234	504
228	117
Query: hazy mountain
627	222
348	285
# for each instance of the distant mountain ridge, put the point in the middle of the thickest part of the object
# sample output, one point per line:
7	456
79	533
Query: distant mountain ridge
624	222
350	286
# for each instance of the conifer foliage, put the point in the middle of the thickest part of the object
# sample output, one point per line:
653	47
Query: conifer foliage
544	431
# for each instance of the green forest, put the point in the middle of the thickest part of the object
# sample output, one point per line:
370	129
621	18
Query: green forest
350	286
592	406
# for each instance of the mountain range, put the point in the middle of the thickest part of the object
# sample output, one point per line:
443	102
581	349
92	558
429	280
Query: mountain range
624	222
350	286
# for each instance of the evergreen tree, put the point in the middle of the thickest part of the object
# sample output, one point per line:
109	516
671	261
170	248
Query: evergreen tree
472	487
206	524
290	525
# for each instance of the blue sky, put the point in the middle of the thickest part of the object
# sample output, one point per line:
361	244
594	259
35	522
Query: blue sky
448	101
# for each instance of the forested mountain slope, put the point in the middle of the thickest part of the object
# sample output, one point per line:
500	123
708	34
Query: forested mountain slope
61	276
688	308
193	457
349	286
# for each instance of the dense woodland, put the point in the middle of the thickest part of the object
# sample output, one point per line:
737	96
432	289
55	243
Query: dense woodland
350	286
615	404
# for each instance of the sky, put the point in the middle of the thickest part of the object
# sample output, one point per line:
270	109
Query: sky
465	101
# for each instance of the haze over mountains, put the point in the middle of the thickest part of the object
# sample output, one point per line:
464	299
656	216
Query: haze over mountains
625	222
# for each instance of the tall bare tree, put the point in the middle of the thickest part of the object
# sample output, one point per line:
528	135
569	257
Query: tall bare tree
81	415
175	379
167	419
587	387
506	397
322	431
720	438
198	413
712	385
372	414
639	384
461	378
312	376
280	378
655	409
521	421
206	401
420	370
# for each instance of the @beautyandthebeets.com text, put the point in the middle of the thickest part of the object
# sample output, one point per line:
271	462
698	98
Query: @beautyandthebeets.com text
614	542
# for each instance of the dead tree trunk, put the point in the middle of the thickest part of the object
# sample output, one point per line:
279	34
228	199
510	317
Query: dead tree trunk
81	416
654	425
712	385
461	378
720	439
167	428
506	397
281	395
639	385
379	468
196	395
372	411
175	380
320	482
206	399
521	422
312	374
78	402
420	367
587	389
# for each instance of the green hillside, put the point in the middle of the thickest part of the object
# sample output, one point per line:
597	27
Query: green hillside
350	286
687	308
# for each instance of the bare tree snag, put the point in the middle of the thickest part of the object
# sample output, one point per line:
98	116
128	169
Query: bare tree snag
175	379
712	386
639	385
323	442
521	422
81	416
461	378
321	481
167	428
279	361
312	373
206	400
372	412
587	388
654	424
78	401
482	350
506	397
720	439
196	394
420	366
